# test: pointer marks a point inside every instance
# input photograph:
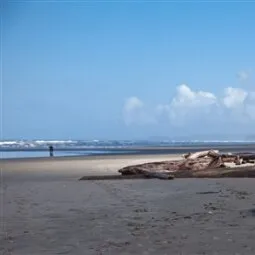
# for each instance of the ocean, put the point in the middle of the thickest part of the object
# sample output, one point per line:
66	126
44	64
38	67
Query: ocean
63	148
62	153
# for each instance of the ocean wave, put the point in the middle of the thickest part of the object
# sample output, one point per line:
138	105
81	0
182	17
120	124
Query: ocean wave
42	144
53	141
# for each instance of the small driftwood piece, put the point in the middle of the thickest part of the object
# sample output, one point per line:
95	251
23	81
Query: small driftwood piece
246	156
245	172
200	154
160	174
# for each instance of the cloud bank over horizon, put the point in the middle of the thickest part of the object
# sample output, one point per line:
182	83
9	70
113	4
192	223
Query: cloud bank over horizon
233	108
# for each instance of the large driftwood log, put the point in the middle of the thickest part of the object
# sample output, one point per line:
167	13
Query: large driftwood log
245	172
208	163
198	161
163	167
192	164
203	164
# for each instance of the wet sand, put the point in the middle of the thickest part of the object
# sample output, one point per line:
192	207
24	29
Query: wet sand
61	168
47	211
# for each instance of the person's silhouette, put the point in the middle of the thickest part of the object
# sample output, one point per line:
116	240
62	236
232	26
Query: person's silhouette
51	150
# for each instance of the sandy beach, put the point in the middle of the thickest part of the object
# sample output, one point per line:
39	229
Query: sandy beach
46	210
62	168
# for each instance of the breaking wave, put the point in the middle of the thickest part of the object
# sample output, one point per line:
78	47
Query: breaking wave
72	144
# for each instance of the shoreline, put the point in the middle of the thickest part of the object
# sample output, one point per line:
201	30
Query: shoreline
124	152
88	157
141	148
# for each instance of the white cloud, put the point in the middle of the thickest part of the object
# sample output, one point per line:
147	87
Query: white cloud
134	112
186	97
190	107
132	104
187	105
234	97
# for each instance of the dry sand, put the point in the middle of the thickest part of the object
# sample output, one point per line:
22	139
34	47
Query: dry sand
45	210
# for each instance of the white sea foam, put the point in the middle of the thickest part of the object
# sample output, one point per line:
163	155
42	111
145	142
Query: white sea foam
53	141
20	144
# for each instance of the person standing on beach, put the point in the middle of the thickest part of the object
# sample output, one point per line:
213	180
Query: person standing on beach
51	150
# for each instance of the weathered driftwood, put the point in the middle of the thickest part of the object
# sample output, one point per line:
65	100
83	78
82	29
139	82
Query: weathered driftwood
203	164
198	161
245	172
238	172
163	167
159	174
246	156
248	161
191	164
201	154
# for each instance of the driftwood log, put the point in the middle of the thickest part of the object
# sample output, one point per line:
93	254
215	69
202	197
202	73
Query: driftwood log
195	161
192	162
162	174
238	172
164	167
202	164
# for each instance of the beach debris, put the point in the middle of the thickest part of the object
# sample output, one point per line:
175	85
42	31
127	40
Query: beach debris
201	164
207	163
201	154
158	175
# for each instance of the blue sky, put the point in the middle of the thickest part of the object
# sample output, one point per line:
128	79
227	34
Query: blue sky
119	70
